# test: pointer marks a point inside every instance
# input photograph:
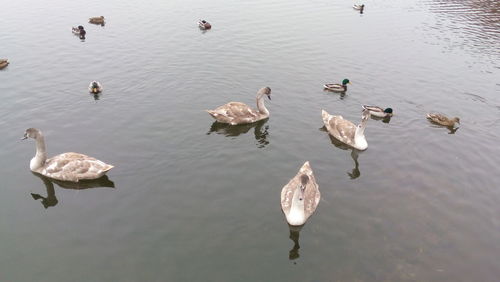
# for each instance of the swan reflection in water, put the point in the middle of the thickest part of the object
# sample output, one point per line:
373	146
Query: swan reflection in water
50	200
355	173
294	236
261	130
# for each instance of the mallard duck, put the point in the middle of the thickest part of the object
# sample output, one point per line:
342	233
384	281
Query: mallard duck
345	131
378	111
336	87
95	87
443	120
67	166
300	197
80	31
203	24
3	63
97	20
240	113
358	7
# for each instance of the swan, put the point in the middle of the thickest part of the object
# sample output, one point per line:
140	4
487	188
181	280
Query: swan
378	111
300	197
345	131
240	113
97	20
95	87
67	166
337	87
3	63
443	120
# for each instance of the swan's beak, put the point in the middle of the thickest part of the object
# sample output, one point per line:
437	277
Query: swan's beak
302	189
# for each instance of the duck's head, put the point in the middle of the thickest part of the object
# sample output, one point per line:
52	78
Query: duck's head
388	111
456	119
264	91
31	133
345	81
80	27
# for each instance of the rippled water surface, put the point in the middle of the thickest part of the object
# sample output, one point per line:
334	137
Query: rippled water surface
198	201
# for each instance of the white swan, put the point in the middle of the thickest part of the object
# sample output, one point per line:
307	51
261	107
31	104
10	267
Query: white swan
345	131
240	113
67	166
300	197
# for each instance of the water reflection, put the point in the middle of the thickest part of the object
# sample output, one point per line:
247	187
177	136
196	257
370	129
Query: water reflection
51	200
383	119
294	236
451	129
261	130
341	94
355	173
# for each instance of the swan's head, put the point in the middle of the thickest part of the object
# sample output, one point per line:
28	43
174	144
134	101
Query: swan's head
388	111
366	114
325	115
304	179
345	81
31	133
264	91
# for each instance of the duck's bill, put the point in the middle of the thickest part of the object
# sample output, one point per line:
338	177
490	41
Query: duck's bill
269	96
25	137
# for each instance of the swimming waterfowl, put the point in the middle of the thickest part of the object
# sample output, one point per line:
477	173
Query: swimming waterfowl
378	111
203	24
358	7
345	131
95	87
240	113
443	120
80	31
336	87
97	20
67	166
300	197
3	63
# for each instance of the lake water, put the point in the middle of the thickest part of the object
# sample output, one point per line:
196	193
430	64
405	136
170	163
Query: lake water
196	201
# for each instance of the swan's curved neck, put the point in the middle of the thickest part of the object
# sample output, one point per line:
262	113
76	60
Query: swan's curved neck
359	135
260	105
297	214
41	153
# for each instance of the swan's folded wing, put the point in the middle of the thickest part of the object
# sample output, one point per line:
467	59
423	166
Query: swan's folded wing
74	167
342	129
235	113
287	193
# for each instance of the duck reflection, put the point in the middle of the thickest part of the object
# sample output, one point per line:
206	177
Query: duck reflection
355	173
386	119
341	94
294	236
50	200
451	129
261	130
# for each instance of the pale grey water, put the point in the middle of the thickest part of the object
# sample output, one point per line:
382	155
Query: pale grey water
194	202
